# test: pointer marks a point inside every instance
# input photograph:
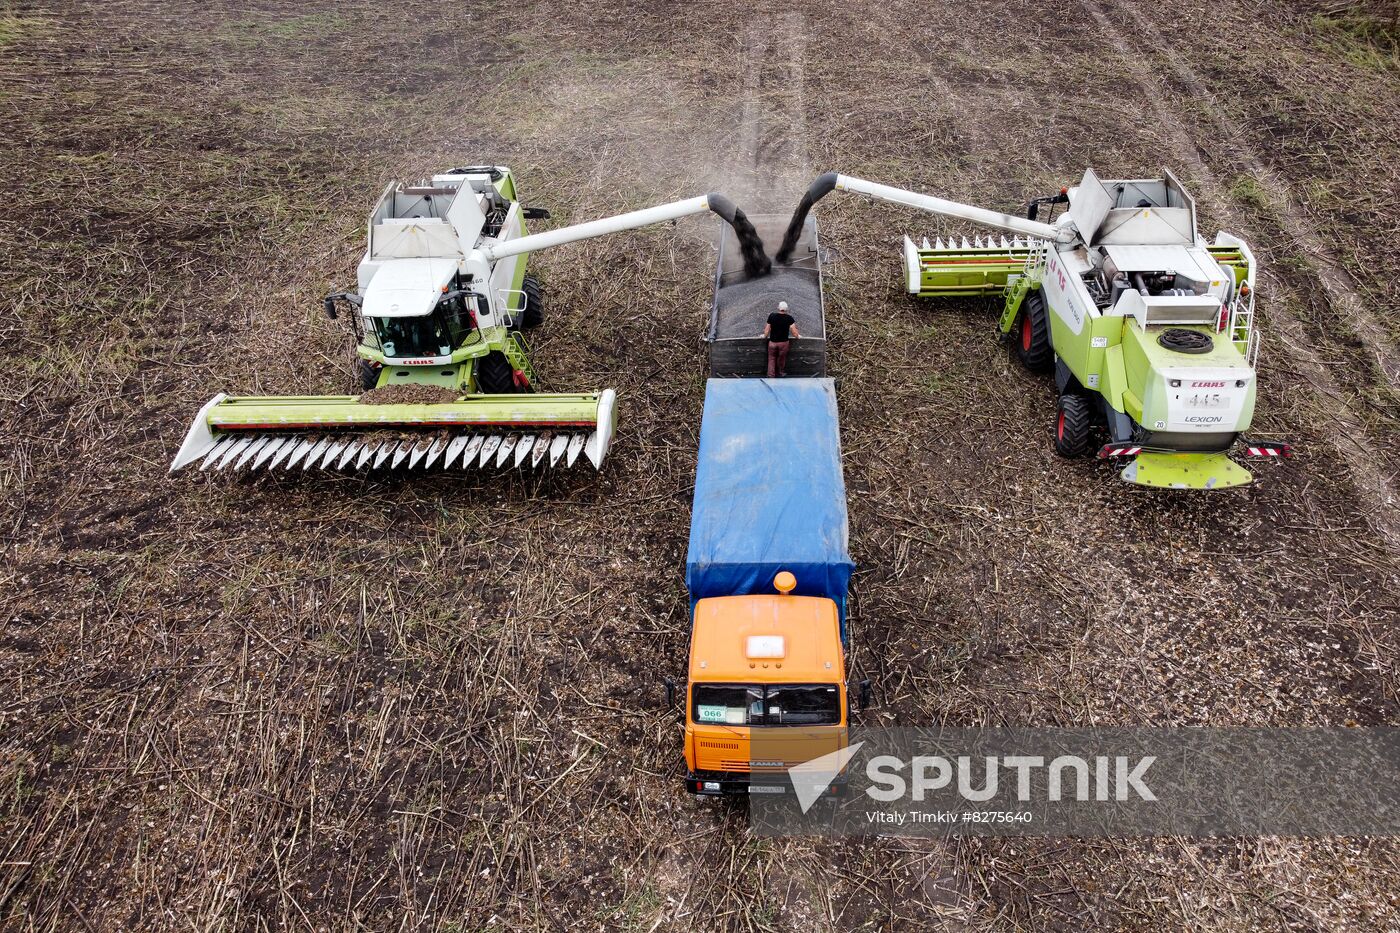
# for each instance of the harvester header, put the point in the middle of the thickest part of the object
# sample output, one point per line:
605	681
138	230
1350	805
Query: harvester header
439	314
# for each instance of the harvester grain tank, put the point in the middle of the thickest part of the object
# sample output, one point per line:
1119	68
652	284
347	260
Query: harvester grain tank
439	311
767	570
1147	327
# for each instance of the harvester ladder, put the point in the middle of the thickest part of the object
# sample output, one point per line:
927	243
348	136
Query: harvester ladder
1234	255
1242	324
1017	287
517	351
519	355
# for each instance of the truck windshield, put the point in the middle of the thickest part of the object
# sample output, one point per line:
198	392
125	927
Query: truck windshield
766	705
803	705
730	704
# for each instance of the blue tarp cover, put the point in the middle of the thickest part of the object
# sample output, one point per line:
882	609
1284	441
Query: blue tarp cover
768	491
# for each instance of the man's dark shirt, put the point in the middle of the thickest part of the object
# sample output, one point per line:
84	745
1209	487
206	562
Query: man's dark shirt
778	324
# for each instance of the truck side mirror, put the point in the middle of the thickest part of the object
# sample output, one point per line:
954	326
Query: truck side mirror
864	695
670	686
330	307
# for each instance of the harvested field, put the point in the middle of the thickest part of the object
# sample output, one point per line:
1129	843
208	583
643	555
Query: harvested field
432	701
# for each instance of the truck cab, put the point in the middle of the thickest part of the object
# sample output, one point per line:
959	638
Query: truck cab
766	688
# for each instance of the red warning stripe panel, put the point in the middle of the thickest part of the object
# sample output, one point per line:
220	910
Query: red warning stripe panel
968	261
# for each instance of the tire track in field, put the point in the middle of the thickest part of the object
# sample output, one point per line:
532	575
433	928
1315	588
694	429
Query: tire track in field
1345	432
1341	288
768	164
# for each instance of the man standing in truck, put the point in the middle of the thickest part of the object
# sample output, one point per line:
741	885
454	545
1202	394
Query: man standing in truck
780	330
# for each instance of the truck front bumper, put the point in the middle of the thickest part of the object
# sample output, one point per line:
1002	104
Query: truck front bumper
739	783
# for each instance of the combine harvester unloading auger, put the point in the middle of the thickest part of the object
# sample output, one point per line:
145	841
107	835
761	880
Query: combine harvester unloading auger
441	302
1148	328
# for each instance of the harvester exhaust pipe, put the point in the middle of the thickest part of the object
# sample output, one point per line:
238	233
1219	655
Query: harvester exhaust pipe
978	215
755	259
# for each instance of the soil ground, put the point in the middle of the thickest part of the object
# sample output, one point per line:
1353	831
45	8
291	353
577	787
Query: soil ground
433	701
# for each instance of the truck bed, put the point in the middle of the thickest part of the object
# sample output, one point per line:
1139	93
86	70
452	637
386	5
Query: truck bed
769	493
742	305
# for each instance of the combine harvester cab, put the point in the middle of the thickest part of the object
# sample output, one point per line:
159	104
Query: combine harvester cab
767	570
1148	329
442	302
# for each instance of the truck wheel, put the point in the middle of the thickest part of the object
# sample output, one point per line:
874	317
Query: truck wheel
533	314
494	374
1032	334
369	375
1073	420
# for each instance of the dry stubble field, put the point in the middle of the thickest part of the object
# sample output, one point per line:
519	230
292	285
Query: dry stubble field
432	702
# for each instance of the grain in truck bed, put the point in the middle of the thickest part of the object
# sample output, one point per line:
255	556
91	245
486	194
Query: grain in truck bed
742	305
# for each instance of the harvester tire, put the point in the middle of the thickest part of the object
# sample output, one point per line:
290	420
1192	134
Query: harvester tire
369	375
532	315
495	375
1073	421
1032	334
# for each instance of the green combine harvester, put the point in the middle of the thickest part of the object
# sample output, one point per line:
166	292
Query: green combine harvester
442	302
1147	328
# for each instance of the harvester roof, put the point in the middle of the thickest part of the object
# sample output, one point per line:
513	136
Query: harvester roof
407	287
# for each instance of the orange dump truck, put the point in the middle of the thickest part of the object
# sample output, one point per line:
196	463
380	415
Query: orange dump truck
767	569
